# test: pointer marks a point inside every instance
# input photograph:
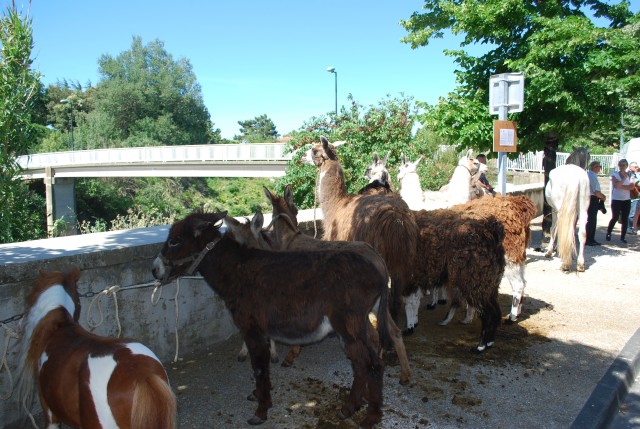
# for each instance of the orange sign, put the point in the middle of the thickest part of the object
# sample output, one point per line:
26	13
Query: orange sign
505	136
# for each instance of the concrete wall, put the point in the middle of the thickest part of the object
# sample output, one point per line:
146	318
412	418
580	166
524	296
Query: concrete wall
124	259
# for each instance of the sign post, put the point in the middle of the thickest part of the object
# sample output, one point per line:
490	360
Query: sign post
506	94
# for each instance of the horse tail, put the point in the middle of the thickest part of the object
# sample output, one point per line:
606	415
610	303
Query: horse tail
154	405
566	225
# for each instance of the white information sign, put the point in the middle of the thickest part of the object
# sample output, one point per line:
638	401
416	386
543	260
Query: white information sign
510	94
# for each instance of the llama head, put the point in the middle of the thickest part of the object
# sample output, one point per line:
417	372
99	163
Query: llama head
321	152
377	170
407	167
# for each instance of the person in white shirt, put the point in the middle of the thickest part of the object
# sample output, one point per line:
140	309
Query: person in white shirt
621	184
634	213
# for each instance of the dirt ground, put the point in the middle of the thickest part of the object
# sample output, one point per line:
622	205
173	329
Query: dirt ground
539	373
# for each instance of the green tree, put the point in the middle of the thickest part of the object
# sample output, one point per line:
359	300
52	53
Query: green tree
146	98
19	90
378	128
578	75
257	130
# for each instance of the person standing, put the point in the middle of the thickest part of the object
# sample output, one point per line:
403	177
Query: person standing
621	184
634	213
595	203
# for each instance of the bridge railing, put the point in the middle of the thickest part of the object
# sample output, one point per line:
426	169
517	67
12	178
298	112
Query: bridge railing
187	153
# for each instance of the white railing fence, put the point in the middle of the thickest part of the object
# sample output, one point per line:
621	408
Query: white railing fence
532	161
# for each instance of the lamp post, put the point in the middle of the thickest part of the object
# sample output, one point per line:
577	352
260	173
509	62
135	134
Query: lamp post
65	101
333	70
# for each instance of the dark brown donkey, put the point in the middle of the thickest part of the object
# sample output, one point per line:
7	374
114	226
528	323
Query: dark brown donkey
326	291
284	234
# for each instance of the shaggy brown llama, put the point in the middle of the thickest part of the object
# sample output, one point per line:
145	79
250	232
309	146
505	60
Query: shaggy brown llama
515	212
466	256
285	235
382	220
293	297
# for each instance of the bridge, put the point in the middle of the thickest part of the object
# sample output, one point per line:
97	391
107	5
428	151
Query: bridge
59	169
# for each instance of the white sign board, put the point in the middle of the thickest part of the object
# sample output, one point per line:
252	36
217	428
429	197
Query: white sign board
509	94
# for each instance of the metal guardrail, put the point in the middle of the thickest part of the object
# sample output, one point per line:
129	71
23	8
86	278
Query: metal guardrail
532	161
158	154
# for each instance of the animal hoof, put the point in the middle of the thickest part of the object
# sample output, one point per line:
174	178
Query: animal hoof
408	331
344	412
565	268
275	359
255	420
242	358
252	397
580	268
287	364
442	302
508	321
429	307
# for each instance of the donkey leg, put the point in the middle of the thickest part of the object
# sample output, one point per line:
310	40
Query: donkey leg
258	345
450	314
375	376
294	352
469	315
490	316
434	299
356	351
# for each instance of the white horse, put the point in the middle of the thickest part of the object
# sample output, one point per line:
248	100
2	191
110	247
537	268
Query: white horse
567	192
458	191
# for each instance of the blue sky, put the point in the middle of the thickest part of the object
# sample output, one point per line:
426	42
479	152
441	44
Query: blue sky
252	57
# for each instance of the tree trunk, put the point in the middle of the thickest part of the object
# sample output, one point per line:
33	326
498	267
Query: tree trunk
548	163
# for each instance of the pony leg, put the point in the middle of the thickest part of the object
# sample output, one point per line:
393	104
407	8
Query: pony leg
411	308
582	236
515	275
554	226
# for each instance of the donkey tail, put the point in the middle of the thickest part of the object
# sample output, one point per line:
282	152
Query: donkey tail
383	317
566	228
154	405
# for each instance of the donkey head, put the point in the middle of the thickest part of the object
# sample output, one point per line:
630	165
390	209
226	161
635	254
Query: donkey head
187	239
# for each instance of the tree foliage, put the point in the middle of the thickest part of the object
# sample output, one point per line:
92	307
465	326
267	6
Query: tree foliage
257	130
380	128
19	89
579	77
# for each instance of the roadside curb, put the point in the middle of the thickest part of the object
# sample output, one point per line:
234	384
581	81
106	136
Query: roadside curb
610	392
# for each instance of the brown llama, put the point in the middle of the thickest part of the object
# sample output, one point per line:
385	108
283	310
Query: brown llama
515	212
466	256
285	235
382	220
293	297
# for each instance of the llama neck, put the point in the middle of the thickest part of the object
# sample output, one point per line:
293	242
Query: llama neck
459	184
331	187
410	191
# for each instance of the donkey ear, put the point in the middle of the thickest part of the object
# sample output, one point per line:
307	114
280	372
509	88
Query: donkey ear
256	223
288	195
199	226
270	196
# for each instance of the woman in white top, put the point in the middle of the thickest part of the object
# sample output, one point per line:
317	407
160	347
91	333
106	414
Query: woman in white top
621	185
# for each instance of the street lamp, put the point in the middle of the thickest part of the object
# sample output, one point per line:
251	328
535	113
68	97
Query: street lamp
65	101
333	70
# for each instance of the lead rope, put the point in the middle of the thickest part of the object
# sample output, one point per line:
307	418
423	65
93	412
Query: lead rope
315	203
175	300
9	334
110	291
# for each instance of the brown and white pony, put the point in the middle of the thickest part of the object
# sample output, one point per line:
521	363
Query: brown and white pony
85	380
293	297
382	220
284	234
